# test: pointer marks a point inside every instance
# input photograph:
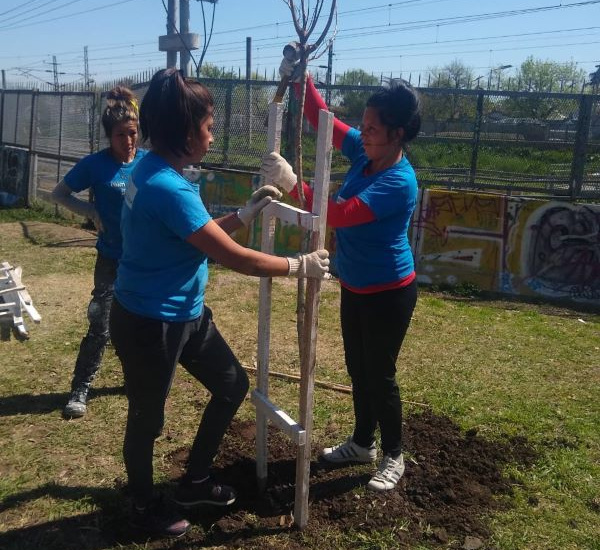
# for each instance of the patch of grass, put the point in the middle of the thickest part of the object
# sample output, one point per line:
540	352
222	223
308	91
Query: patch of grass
502	368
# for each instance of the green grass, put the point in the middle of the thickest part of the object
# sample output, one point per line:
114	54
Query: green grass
505	368
521	159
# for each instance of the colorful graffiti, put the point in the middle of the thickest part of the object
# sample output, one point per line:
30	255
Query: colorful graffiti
14	171
512	245
225	192
508	244
560	251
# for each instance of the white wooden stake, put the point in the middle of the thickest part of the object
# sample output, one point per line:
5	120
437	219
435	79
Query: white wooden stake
316	222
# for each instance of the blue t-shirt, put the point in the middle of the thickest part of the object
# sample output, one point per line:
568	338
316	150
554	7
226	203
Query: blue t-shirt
160	274
107	178
376	253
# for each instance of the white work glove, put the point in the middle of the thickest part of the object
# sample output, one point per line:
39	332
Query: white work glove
315	264
275	169
290	69
258	200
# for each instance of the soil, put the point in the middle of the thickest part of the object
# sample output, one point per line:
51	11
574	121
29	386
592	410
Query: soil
453	481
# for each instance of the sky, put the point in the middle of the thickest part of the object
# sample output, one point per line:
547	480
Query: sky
407	38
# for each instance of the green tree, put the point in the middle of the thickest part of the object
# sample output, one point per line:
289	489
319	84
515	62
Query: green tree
454	75
536	75
445	106
352	102
208	70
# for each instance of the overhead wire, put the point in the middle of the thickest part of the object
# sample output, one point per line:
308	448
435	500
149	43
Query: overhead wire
358	31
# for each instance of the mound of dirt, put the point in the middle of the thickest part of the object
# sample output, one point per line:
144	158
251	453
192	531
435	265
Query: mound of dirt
452	482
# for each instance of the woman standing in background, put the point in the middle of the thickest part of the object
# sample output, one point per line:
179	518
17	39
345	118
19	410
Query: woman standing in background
105	174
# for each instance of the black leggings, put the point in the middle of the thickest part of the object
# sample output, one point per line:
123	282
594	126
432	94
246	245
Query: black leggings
149	351
373	328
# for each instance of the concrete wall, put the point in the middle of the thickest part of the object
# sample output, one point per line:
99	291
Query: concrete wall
14	172
507	244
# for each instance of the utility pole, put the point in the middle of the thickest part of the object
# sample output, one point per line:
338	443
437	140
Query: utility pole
175	41
329	73
248	87
55	73
86	69
184	29
172	18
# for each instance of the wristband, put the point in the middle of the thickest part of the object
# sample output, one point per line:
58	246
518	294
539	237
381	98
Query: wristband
294	266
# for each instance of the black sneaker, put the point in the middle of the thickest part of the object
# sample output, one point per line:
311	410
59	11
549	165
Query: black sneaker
191	493
156	520
76	407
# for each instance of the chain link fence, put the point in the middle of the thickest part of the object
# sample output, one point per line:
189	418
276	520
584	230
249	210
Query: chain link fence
545	144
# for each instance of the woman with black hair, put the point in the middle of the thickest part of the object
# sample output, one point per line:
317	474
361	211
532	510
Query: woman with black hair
159	317
371	214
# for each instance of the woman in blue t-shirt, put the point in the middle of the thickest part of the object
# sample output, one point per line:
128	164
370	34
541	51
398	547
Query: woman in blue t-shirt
105	174
371	213
159	317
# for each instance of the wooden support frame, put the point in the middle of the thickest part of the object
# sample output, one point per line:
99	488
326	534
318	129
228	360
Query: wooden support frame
315	222
13	299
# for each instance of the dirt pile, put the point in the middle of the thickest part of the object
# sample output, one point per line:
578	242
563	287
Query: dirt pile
451	483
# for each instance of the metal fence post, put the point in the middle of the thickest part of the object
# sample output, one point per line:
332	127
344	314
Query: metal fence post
581	140
60	134
32	176
476	136
227	129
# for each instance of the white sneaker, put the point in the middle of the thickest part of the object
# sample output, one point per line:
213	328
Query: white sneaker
388	474
348	451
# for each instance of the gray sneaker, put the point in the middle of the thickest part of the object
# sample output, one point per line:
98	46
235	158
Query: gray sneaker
77	405
388	474
348	451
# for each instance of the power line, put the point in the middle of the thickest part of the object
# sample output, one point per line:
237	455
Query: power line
38	14
87	11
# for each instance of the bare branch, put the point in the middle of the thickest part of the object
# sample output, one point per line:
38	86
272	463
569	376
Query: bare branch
315	18
304	16
299	28
318	42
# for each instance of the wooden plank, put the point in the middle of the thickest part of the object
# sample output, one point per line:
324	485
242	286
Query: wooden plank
279	417
24	296
311	316
11	289
264	308
292	215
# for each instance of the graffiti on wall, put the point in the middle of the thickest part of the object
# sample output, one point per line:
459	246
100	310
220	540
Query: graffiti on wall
559	253
508	244
458	237
14	171
225	192
505	244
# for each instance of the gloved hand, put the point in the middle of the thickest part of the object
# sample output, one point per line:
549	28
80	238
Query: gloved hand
315	264
290	69
258	200
275	169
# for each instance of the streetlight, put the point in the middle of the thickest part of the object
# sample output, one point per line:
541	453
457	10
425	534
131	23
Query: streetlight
498	70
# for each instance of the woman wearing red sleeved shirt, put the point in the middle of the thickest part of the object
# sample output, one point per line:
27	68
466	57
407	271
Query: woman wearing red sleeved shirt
371	213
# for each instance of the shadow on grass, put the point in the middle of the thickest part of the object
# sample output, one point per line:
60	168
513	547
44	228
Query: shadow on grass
108	525
26	403
546	305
